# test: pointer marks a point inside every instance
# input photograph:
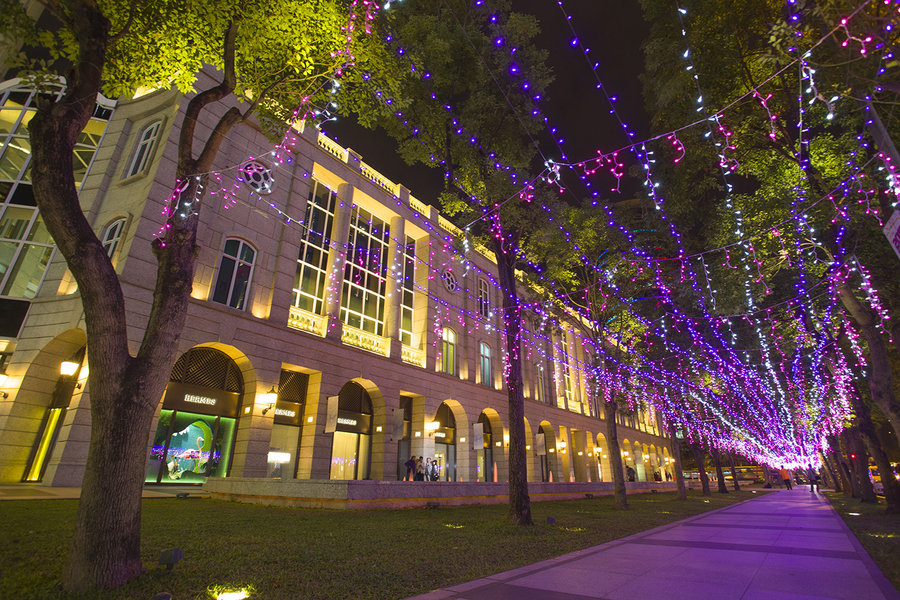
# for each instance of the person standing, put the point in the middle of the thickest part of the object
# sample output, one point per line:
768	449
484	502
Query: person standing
420	469
813	480
786	477
410	468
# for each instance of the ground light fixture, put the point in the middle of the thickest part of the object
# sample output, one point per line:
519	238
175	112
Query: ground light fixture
3	378
222	592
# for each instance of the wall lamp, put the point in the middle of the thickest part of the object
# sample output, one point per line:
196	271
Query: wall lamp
269	398
68	368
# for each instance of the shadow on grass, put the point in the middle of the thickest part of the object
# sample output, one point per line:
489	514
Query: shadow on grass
318	554
877	531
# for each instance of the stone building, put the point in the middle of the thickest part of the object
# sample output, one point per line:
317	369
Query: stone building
336	326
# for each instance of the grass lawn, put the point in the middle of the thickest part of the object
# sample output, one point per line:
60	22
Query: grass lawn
312	554
878	532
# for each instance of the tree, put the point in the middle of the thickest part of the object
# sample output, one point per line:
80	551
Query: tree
467	111
752	166
270	57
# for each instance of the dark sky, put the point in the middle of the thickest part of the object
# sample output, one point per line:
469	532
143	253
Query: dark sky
613	30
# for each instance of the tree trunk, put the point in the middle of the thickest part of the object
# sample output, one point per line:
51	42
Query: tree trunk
837	455
615	454
833	480
679	472
723	489
860	461
519	501
873	445
880	375
699	456
734	475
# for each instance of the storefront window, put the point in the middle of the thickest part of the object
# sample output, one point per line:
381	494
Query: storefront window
195	450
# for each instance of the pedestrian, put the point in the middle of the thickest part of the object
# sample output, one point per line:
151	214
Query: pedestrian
427	476
629	473
434	475
813	480
410	468
420	469
786	477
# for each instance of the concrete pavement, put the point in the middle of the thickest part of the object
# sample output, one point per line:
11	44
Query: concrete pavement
36	491
786	545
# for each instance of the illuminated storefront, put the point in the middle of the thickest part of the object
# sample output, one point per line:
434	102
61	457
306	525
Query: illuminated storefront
445	444
351	447
288	421
197	423
484	455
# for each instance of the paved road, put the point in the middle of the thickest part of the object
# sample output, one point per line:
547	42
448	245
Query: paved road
780	546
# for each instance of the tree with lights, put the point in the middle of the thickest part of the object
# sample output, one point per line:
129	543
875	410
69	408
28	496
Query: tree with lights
602	285
271	58
472	76
788	162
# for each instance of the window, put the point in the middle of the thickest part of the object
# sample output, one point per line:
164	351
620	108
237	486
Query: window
540	393
25	245
235	272
484	299
112	235
365	272
408	288
144	148
484	363
312	263
448	351
449	280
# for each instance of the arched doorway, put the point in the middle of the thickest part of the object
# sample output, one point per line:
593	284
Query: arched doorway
545	443
284	445
604	471
351	447
53	418
445	443
485	469
404	428
196	428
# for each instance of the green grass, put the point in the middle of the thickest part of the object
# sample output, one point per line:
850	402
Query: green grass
877	531
311	554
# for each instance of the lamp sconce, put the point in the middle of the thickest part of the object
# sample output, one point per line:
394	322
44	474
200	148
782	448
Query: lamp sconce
432	426
269	398
68	368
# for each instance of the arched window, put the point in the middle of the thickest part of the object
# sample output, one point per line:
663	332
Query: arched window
484	299
484	364
448	351
112	235
144	149
235	272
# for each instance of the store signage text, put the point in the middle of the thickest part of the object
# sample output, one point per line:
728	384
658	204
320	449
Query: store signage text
195	399
345	421
285	412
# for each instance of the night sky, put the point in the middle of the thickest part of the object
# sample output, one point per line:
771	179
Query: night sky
612	30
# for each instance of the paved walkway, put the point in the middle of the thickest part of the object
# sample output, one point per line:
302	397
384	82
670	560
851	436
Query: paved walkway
36	491
786	545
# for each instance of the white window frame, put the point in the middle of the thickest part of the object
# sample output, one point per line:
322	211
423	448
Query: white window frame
112	236
143	149
485	364
449	359
484	298
234	270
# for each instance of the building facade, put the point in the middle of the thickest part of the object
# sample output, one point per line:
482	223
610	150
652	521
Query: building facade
337	326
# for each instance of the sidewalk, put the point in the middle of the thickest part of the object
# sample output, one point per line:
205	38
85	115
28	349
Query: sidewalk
783	545
36	491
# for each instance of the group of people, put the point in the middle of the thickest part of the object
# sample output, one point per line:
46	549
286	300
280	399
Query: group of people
419	469
811	474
